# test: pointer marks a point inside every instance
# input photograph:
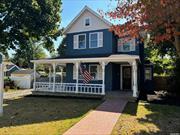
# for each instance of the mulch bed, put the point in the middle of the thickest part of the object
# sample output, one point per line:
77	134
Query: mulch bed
161	97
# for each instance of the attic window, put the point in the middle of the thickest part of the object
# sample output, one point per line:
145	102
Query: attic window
87	22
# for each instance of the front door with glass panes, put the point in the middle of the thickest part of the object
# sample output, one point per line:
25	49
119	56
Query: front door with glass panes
126	78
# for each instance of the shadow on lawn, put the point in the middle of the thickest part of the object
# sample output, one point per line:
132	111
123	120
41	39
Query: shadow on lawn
154	118
29	110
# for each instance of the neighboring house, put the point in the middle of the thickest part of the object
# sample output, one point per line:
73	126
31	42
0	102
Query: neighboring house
23	78
115	65
9	67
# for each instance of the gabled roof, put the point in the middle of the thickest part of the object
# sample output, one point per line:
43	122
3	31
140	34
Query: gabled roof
9	66
86	8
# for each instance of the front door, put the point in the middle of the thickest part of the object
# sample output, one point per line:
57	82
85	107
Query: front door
126	77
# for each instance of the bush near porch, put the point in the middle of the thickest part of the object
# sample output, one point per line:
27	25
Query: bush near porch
43	115
146	118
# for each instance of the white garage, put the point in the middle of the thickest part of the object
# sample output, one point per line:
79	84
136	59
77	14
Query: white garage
23	78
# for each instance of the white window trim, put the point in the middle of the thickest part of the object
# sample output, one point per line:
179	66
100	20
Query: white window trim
89	21
95	79
131	50
78	41
90	40
90	65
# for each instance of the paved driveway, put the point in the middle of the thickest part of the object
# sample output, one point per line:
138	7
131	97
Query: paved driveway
17	93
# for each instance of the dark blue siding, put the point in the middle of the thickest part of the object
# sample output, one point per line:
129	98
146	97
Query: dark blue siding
112	73
106	49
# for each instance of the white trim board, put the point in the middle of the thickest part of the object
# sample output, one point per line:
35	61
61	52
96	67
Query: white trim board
111	58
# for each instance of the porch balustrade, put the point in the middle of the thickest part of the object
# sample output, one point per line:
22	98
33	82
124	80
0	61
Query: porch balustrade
69	88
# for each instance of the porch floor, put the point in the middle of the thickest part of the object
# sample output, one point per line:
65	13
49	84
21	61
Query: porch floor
127	95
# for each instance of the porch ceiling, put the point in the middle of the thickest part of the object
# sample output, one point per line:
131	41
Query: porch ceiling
111	58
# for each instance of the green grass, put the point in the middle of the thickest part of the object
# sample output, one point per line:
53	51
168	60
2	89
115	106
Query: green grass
43	115
144	118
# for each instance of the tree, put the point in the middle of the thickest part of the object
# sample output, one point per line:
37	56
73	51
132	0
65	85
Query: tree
24	20
23	55
163	57
62	47
160	18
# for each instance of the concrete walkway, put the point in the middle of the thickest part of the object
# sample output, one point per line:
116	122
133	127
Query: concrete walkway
18	93
100	121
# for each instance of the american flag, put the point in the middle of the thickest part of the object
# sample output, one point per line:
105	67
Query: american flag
85	74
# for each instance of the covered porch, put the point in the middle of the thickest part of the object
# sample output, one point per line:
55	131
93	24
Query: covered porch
54	85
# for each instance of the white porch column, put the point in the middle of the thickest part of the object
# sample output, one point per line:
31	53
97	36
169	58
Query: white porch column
34	86
103	64
77	75
54	76
50	77
1	88
61	74
135	87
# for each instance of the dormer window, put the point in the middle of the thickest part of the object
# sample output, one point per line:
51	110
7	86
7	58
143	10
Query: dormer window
87	21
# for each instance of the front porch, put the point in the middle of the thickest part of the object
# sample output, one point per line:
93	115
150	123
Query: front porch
76	87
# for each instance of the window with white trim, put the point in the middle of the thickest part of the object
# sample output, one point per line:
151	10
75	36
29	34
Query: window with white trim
148	73
79	41
96	40
126	46
93	40
87	21
94	69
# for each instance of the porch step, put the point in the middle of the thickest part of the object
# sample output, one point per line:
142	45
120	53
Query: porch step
57	94
127	95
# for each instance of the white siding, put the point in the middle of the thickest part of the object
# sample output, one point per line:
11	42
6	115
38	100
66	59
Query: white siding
96	23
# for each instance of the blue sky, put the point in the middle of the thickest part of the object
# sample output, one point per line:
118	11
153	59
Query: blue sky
70	8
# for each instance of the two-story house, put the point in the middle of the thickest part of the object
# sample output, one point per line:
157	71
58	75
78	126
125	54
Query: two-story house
116	64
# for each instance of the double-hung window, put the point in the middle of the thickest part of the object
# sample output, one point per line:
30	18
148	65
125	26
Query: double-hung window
87	21
96	40
93	70
93	40
126	46
80	41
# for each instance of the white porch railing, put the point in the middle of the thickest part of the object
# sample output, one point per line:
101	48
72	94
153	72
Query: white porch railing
96	89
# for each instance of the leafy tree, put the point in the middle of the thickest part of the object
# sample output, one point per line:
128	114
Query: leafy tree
163	57
62	47
158	17
24	20
23	56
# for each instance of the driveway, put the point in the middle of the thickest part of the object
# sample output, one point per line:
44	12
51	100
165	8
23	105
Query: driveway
17	93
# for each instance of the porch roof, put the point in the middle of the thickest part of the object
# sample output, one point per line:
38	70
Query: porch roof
111	58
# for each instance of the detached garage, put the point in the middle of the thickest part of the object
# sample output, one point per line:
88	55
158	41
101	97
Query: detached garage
23	78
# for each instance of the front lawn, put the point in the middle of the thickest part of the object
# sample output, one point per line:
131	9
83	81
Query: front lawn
43	115
144	118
